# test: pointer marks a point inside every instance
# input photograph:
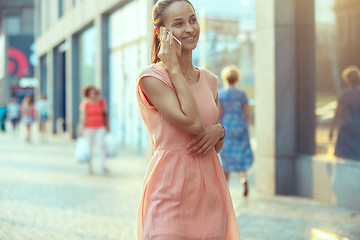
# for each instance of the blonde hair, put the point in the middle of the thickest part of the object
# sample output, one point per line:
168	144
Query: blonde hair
351	75
231	74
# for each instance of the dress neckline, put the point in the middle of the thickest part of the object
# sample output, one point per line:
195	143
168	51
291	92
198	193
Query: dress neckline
192	84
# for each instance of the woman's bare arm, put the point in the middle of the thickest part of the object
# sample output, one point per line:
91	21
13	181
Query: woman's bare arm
178	108
81	119
208	139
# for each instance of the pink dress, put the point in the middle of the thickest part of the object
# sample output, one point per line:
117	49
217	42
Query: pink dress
183	197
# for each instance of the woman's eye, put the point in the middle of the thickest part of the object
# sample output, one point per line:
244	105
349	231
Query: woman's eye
193	20
177	24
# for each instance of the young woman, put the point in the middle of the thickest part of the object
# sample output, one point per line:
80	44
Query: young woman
236	155
93	123
185	194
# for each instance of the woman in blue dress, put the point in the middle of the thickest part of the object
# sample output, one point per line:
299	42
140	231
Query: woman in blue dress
236	154
347	117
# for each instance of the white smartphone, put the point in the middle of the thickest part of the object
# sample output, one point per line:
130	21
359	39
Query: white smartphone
177	42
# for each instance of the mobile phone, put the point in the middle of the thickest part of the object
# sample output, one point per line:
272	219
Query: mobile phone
177	42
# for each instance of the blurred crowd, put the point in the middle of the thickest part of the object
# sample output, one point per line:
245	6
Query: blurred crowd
25	111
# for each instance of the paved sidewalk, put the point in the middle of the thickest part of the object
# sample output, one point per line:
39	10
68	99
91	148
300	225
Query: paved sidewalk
46	195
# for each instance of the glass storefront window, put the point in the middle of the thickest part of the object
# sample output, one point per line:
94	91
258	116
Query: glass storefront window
227	38
87	55
128	53
337	102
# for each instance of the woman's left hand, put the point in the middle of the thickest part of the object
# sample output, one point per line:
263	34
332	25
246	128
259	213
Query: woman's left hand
206	140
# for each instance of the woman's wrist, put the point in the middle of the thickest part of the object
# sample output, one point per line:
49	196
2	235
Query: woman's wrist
222	132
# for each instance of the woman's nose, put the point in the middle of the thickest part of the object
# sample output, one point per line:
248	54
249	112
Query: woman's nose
189	28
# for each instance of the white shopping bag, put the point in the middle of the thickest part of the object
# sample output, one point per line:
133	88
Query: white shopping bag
82	150
111	145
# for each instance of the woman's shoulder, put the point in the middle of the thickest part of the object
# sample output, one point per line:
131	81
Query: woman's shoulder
152	70
210	78
157	71
83	104
208	73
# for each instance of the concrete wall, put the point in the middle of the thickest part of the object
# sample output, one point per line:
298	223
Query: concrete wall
275	74
56	30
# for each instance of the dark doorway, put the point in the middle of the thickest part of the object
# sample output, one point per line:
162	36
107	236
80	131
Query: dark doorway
59	120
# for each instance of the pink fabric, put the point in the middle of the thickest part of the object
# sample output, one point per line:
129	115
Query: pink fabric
184	197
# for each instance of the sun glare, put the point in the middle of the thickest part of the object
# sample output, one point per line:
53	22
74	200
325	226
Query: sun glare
318	234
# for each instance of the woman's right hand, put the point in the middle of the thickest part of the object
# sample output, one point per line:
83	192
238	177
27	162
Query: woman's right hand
167	52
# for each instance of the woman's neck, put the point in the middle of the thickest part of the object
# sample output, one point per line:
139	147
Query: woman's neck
91	100
229	86
185	61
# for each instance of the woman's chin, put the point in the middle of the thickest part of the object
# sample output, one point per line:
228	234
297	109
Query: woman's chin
188	47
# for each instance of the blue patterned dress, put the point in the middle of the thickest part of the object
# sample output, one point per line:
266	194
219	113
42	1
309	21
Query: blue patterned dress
236	154
348	139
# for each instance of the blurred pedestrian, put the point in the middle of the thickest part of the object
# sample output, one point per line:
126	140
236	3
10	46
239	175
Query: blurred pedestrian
93	123
3	111
347	117
185	195
13	108
43	107
236	155
27	112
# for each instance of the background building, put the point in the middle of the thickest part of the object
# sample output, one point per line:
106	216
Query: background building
17	49
94	42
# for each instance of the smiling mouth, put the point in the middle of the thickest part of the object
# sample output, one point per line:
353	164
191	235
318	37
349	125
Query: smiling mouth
189	38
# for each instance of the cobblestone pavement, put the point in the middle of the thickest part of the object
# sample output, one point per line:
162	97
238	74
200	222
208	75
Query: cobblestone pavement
46	195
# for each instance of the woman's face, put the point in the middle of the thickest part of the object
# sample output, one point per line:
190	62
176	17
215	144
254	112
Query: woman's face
92	94
180	18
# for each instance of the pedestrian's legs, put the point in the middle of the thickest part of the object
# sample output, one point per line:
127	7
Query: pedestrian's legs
244	181
2	125
100	144
16	126
42	128
28	131
13	123
89	135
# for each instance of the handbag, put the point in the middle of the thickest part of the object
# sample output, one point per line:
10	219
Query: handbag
111	145
82	150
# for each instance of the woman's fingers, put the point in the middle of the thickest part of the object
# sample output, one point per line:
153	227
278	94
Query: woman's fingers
166	40
195	140
198	145
202	150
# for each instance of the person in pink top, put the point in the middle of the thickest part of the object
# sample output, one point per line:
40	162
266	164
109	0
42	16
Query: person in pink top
93	123
185	194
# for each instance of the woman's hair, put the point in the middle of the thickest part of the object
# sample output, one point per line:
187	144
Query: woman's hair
86	90
157	19
231	74
351	75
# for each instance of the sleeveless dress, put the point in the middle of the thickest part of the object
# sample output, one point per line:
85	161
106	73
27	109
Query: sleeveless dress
236	154
183	197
